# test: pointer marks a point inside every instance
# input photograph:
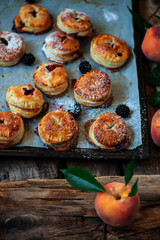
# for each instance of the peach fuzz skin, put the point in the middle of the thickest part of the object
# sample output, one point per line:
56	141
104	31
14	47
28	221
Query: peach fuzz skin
155	128
120	211
151	43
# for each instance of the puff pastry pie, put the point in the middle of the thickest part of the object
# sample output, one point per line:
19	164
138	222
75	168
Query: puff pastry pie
51	78
92	89
60	47
25	100
59	130
32	18
74	22
109	51
11	129
12	48
109	131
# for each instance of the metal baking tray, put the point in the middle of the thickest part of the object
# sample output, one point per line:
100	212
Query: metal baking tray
99	12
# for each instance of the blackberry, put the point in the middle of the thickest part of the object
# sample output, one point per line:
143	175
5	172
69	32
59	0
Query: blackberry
30	1
85	67
123	110
75	110
28	59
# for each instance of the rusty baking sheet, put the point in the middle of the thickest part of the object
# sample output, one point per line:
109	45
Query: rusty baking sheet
127	85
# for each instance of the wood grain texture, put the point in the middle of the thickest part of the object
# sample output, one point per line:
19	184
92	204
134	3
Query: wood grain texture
18	168
52	209
97	167
147	8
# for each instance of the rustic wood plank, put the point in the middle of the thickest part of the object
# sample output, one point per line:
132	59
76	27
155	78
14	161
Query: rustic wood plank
97	167
18	168
51	209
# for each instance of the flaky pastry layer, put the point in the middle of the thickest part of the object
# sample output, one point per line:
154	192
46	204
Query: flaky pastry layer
11	129
74	22
58	129
109	51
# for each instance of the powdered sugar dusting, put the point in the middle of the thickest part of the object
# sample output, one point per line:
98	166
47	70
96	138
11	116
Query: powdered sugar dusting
14	41
94	85
61	42
51	37
72	11
55	39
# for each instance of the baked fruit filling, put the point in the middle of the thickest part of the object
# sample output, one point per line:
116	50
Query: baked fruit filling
33	13
3	41
50	68
28	91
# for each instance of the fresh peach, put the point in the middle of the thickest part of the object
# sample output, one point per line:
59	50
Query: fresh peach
155	128
115	207
151	43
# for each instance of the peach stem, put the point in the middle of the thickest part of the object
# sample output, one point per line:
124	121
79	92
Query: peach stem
123	190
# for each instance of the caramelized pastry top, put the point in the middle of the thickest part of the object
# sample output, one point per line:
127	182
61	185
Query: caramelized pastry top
58	126
110	47
25	96
62	42
50	74
32	18
110	129
10	124
71	21
93	85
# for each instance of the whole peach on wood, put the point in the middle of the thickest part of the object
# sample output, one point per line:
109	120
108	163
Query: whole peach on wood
151	43
115	207
117	204
155	128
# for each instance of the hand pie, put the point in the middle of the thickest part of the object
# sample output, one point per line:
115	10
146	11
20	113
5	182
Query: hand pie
92	89
74	22
109	51
11	129
32	18
25	100
58	129
51	78
60	47
12	48
109	131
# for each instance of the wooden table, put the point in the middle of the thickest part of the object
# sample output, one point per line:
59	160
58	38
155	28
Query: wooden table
36	203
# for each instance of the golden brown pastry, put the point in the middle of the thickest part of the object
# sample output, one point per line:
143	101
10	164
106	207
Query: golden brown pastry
92	89
60	47
109	131
74	22
51	78
25	100
109	51
58	129
12	48
32	18
11	129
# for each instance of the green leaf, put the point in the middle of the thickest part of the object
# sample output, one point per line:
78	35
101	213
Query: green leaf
140	21
82	179
134	189
157	17
130	171
158	1
154	99
154	77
